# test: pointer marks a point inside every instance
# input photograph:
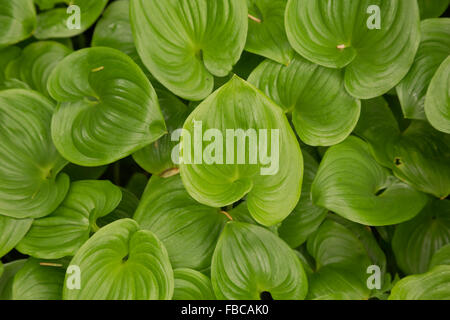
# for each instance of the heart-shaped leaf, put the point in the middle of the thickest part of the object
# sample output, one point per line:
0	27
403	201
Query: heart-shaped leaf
156	158
108	109
31	187
192	285
11	232
437	101
37	62
433	50
416	241
39	280
419	155
188	229
250	261
64	231
122	262
306	217
70	21
266	32
432	8
441	257
7	277
374	40
433	285
323	113
222	172
184	43
17	21
351	183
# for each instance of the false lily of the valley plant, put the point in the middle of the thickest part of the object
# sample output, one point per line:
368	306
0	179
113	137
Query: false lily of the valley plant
226	149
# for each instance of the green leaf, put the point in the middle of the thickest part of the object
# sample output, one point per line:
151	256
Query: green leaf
125	209
64	231
437	101
77	173
192	285
441	257
434	48
7	55
38	282
306	217
419	155
188	229
156	158
31	187
323	113
47	4
432	8
351	183
122	262
107	107
416	241
137	184
337	35
266	32
7	277
17	21
55	23
37	62
250	260
11	232
433	285
184	43
113	30
271	191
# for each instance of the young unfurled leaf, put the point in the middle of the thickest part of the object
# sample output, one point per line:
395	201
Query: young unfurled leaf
252	152
306	217
192	285
437	101
375	41
107	107
323	113
7	277
11	232
37	61
39	280
32	186
351	183
64	231
250	261
156	158
433	50
188	229
122	262
416	241
17	21
433	285
184	43
70	21
432	8
266	32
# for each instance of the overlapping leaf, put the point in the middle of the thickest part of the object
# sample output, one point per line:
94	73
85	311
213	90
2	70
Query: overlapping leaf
184	43
266	32
11	232
336	34
437	101
62	22
351	183
433	50
122	262
441	257
192	285
64	231
267	170
7	277
416	241
31	186
108	109
17	21
188	229
433	8
250	261
323	113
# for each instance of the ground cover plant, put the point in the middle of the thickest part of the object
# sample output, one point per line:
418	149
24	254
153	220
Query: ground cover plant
226	149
